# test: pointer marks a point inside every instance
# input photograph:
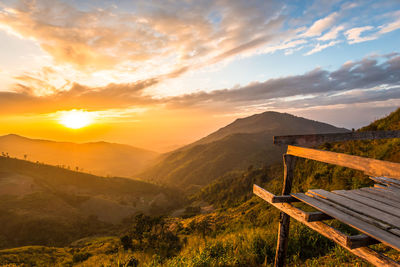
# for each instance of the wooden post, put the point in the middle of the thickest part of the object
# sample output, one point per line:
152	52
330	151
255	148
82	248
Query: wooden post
289	162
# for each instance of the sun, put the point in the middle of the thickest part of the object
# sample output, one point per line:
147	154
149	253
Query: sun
76	119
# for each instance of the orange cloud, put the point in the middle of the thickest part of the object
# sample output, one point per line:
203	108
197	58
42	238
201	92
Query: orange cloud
366	80
156	34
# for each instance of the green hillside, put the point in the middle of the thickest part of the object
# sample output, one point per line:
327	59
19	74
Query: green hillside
234	188
42	204
245	142
240	231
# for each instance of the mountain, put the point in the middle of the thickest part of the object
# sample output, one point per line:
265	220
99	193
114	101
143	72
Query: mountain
244	231
235	188
101	158
245	142
43	204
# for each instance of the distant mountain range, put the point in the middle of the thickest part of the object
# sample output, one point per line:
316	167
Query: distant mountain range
245	142
100	158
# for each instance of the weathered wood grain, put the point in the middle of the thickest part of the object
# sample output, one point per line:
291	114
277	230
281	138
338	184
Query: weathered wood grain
363	252
386	180
379	192
369	166
384	236
351	212
369	202
388	189
316	139
277	199
358	207
395	231
316	216
283	232
362	240
382	198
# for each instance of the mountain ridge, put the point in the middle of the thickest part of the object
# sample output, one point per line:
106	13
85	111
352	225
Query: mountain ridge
12	135
254	124
246	141
101	158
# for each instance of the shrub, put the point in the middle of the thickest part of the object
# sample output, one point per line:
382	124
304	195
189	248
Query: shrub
81	256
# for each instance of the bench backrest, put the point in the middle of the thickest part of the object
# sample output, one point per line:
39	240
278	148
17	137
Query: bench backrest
372	167
309	140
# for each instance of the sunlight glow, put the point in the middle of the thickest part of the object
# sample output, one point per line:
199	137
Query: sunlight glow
76	119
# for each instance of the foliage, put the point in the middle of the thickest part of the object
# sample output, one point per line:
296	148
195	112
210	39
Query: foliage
79	257
152	234
48	205
233	189
191	211
241	232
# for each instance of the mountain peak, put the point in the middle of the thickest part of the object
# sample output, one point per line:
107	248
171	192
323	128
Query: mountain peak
101	158
12	136
244	142
273	122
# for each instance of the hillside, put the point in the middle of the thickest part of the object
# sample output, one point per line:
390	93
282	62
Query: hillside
234	189
241	219
100	158
241	231
245	142
42	204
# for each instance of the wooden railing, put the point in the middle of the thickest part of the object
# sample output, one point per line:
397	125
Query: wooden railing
367	165
309	140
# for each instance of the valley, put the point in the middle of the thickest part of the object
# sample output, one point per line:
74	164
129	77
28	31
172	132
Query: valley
59	201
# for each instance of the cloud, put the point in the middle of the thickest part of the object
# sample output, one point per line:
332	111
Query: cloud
155	34
160	40
320	47
79	97
354	35
332	34
372	80
362	81
320	25
395	25
166	39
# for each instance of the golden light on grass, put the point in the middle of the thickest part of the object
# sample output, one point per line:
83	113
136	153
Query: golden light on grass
76	119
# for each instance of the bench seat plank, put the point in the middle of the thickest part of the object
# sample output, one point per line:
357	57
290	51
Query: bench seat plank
381	198
384	236
358	207
369	202
386	180
353	213
377	191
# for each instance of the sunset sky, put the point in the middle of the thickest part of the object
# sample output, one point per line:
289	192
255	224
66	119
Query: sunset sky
158	74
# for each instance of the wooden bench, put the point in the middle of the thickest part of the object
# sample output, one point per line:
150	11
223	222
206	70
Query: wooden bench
374	212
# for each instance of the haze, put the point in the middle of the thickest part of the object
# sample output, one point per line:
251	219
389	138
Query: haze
161	74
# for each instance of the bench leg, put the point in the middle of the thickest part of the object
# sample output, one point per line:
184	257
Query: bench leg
289	163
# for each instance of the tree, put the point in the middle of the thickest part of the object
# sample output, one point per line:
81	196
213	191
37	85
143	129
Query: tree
153	234
126	242
202	227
